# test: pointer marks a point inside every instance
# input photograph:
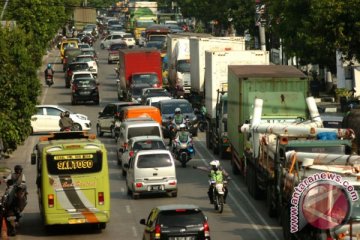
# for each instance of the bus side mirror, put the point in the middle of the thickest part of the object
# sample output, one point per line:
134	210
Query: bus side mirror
33	159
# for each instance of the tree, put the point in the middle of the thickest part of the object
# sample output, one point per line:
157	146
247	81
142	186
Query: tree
240	11
314	30
20	87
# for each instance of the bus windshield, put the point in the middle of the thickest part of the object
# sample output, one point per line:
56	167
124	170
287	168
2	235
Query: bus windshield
74	163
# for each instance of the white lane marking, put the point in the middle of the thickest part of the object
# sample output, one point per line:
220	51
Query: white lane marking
233	183
44	95
134	231
122	190
128	209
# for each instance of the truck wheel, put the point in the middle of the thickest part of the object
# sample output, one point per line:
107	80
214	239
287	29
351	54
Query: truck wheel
208	142
254	187
216	149
234	168
271	207
285	219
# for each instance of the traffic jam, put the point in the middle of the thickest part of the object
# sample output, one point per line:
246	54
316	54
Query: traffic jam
147	129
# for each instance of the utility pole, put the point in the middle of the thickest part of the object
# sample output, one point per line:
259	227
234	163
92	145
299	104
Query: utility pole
261	22
3	11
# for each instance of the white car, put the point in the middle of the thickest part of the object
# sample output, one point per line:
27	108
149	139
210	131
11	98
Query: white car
140	143
47	117
81	74
154	101
90	60
114	38
116	29
129	39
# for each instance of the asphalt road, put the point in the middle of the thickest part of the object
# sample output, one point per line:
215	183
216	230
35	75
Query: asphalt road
243	217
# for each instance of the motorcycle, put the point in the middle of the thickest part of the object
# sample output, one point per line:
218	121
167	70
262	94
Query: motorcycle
183	149
49	80
12	204
202	120
218	194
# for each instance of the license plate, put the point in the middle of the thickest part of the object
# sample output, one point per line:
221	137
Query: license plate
228	149
84	93
182	238
155	188
76	220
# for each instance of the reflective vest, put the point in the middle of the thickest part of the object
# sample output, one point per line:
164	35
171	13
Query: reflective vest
217	176
179	118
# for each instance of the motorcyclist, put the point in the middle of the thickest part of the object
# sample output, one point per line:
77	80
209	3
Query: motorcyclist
94	33
178	117
16	186
217	174
182	135
49	71
65	122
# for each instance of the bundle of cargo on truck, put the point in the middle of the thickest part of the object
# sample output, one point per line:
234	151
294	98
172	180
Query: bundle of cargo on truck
279	156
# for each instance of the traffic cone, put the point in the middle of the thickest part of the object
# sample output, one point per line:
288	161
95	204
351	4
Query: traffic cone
4	234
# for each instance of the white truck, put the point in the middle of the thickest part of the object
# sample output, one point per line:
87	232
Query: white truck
178	52
198	46
216	79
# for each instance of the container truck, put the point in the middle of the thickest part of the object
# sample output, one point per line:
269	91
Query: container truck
273	170
216	74
179	59
138	66
283	89
83	16
198	46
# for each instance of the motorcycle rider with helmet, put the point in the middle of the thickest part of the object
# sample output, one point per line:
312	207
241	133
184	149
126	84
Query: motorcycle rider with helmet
65	122
178	117
182	135
17	197
49	71
217	174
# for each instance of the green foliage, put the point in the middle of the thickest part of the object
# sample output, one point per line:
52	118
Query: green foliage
20	87
240	12
21	53
314	30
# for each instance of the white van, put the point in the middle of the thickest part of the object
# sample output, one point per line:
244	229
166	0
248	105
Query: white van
151	171
135	128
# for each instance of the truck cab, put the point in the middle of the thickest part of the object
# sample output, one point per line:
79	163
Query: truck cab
216	135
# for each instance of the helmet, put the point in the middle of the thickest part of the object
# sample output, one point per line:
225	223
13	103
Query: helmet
215	164
182	126
49	66
67	114
18	168
177	110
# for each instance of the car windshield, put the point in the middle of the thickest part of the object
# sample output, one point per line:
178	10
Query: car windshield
76	67
128	36
155	44
150	79
154	160
82	75
84	59
157	38
143	131
82	46
88	82
148	145
169	107
137	91
115	47
181	217
183	66
144	24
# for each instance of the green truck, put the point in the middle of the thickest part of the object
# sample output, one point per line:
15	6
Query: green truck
141	15
283	89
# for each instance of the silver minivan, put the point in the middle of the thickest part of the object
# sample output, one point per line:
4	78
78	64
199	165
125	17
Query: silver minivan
136	127
151	171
